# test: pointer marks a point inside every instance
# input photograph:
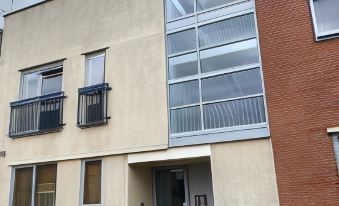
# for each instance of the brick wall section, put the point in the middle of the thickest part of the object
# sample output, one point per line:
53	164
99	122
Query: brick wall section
302	86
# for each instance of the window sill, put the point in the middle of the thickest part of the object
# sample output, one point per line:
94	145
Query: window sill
327	35
220	135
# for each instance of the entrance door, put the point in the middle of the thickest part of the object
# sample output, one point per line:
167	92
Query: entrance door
171	187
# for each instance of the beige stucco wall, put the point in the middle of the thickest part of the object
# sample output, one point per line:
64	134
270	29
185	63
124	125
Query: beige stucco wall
135	69
140	186
243	174
68	183
114	180
5	176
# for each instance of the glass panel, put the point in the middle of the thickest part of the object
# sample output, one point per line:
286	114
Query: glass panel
95	70
29	86
181	41
45	185
51	84
184	93
178	8
234	113
229	30
233	55
185	120
232	85
92	184
23	187
206	4
327	14
170	187
183	66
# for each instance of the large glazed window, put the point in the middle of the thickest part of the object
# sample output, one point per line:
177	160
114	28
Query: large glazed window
325	18
35	185
214	72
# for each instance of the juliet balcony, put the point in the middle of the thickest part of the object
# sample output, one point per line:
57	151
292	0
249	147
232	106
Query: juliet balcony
92	105
36	115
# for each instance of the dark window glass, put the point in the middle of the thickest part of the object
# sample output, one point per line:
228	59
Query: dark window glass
51	82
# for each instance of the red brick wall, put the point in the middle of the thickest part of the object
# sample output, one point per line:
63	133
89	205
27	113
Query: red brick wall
302	86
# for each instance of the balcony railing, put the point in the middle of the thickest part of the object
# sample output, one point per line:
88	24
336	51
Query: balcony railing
92	105
36	115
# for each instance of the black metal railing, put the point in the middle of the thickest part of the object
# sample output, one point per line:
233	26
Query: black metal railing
92	105
36	115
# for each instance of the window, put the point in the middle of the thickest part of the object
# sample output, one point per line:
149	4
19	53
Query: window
44	177
214	69
95	69
42	81
335	137
92	99
325	18
91	182
39	109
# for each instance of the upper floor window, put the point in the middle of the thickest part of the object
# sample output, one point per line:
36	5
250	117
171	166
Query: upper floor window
35	185
325	18
41	82
92	99
214	70
40	108
95	69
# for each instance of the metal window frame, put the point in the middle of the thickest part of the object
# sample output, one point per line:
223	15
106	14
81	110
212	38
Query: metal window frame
34	167
236	9
320	36
1	38
82	182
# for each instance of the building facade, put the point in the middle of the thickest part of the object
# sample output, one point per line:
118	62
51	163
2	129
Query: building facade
169	103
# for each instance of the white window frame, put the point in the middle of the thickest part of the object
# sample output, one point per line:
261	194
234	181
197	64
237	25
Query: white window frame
39	70
319	36
82	182
34	167
335	138
91	56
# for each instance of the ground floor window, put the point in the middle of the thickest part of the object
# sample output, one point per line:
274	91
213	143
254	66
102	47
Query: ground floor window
35	185
91	183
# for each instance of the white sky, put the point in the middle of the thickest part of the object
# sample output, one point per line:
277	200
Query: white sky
6	5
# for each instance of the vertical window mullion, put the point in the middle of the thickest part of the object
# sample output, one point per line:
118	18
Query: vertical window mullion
33	186
199	73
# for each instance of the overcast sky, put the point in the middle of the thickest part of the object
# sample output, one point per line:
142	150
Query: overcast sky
6	6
